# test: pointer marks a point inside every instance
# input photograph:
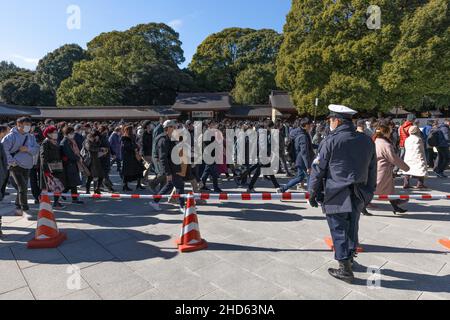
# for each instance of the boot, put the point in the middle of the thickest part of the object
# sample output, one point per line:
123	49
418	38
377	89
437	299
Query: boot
397	209
366	213
88	188
344	273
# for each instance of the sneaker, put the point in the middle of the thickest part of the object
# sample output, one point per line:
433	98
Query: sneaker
279	191
181	210
218	190
205	189
251	191
19	213
155	206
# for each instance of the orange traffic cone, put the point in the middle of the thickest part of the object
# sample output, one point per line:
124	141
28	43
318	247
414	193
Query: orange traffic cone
330	244
47	234
445	243
190	239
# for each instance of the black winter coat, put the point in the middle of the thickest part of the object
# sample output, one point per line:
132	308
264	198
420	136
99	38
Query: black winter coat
95	167
49	153
164	147
132	169
70	163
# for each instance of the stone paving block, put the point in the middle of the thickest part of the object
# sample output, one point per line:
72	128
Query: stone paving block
197	260
220	270
50	281
288	295
18	294
82	295
191	288
10	275
28	258
85	253
137	255
301	283
355	296
152	294
218	294
398	282
164	271
251	287
114	280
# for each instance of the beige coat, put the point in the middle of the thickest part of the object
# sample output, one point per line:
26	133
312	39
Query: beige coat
415	157
387	160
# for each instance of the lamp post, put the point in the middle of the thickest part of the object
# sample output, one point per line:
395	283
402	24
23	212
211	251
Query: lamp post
315	109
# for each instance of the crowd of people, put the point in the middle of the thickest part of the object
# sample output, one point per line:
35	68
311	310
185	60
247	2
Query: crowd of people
62	157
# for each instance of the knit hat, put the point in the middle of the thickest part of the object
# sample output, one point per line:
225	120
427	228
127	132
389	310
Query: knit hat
49	130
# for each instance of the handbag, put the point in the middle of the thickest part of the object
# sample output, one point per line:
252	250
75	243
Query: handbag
55	167
54	184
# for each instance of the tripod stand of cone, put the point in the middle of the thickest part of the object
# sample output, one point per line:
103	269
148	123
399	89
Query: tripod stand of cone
330	244
47	233
445	243
190	239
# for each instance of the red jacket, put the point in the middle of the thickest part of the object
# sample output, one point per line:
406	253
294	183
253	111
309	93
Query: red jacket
404	132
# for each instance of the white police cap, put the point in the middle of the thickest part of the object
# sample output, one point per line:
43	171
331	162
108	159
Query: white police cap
340	111
170	124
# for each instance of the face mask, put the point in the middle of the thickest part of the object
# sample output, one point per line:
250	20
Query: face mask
27	129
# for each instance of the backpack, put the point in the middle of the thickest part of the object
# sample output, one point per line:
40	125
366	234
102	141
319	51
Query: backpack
433	139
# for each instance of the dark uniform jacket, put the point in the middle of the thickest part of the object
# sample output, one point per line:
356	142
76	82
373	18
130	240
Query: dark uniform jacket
344	174
3	168
304	153
164	147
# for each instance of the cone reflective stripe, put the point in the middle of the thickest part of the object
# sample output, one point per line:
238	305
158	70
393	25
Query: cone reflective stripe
330	244
190	238
445	243
47	233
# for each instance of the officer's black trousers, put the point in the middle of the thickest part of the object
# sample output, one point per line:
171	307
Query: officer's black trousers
344	229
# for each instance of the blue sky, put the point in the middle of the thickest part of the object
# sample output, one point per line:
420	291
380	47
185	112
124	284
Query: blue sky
32	28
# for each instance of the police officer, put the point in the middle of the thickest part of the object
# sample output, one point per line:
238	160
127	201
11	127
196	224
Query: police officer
343	180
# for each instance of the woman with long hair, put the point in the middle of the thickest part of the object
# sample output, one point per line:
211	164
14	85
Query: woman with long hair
133	168
71	162
387	161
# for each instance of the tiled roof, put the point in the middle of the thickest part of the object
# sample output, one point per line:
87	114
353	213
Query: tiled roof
107	113
219	101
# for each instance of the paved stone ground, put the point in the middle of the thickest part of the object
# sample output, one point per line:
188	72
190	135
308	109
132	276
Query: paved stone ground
257	250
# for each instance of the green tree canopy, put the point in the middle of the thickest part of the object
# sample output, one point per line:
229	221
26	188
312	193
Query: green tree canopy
57	66
254	84
222	56
329	52
21	88
420	64
7	69
135	67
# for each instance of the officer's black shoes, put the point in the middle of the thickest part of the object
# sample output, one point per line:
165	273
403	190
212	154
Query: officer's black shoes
366	213
344	273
